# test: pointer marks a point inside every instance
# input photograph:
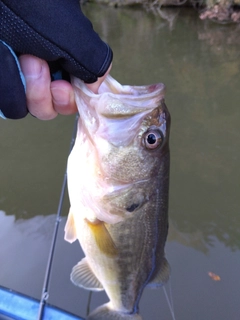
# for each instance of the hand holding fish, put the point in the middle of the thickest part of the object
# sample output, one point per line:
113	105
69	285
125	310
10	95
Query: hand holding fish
41	29
45	98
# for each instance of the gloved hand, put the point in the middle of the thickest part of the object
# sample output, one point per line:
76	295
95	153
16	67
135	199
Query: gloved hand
54	30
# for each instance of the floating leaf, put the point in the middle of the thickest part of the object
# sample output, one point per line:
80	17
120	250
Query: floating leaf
214	276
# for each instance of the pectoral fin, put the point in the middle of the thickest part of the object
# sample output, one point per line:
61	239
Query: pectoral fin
70	229
82	276
162	275
103	238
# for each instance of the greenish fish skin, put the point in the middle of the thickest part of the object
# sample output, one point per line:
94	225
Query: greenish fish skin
119	208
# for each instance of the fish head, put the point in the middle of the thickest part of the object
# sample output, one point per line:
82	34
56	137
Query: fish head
123	134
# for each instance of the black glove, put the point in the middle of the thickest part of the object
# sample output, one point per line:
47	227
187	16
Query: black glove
12	92
54	30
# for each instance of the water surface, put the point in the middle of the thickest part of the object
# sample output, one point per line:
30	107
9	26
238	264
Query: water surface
199	63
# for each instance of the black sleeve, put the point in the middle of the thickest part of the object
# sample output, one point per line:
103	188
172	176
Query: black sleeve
12	85
56	31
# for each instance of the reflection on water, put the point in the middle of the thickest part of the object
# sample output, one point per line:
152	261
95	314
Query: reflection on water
199	62
24	251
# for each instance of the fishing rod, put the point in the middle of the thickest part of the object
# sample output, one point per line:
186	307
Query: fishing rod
45	289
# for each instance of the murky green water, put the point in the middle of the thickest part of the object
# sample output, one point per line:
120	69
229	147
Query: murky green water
199	63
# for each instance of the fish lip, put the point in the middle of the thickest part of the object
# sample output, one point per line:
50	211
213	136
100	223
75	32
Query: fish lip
114	89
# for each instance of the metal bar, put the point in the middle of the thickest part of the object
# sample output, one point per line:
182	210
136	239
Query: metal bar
14	305
45	290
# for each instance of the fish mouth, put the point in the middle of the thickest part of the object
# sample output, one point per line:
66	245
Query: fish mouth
116	112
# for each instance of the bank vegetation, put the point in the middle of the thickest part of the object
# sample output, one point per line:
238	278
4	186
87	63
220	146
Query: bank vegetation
222	11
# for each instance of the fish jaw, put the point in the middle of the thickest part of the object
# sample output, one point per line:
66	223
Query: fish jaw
87	187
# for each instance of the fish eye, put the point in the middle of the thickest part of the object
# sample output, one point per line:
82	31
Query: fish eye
153	138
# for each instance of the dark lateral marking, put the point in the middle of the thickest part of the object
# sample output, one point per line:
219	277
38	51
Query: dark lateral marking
132	207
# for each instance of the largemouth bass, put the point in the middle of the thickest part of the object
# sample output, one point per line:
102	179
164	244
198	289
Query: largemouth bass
118	181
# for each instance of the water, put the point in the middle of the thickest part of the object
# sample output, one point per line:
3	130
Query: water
199	63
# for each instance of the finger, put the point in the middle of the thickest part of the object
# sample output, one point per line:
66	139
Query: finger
63	97
38	81
95	86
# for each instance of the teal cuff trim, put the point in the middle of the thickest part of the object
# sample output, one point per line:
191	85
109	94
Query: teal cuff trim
2	115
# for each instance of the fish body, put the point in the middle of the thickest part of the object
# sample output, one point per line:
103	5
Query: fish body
118	181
